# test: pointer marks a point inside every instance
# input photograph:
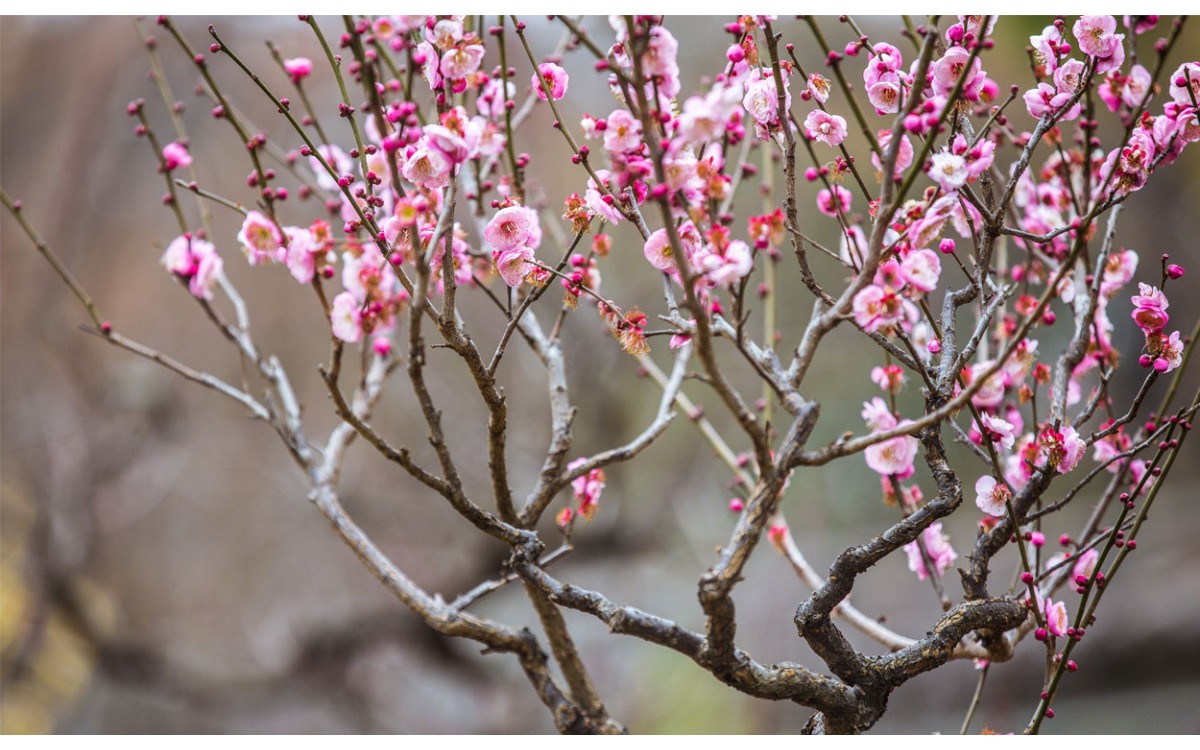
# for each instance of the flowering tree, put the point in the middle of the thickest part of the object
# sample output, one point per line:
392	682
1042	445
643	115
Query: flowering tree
987	213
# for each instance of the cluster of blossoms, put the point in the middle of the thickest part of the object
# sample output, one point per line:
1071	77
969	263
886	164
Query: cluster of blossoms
1162	352
587	488
656	145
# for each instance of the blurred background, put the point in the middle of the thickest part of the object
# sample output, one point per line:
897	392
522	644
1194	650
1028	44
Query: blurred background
162	570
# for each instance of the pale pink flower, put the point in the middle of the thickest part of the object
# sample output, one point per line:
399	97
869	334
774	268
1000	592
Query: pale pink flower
991	496
949	170
1095	34
1045	99
461	61
1189	73
904	157
921	269
1085	566
346	318
875	308
623	132
824	127
827	205
175	155
1137	83
885	97
1170	352
728	265
514	264
510	227
1057	621
260	239
877	415
208	270
427	167
555	79
818	86
658	251
300	258
998	430
949	68
894	456
937	546
1118	271
1046	47
761	99
337	159
298	68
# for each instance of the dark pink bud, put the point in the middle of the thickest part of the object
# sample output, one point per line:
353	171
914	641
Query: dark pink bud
1174	271
946	246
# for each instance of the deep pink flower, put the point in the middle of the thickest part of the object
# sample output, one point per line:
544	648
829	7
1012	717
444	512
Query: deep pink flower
298	68
1150	309
555	79
175	155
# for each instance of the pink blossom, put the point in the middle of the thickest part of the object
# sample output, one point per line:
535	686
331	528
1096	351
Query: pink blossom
937	546
1189	74
427	167
998	431
492	97
1057	621
514	264
337	159
1046	48
300	258
1085	566
721	267
950	67
658	251
1046	99
511	227
826	204
949	170
1118	271
1096	34
346	318
195	260
461	61
875	308
921	269
1137	83
894	456
175	155
1150	309
877	415
587	488
260	239
991	496
889	378
885	97
555	79
761	100
904	157
818	86
824	127
298	68
623	132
